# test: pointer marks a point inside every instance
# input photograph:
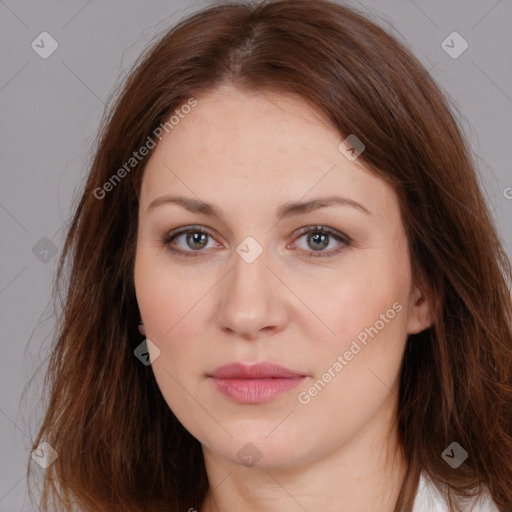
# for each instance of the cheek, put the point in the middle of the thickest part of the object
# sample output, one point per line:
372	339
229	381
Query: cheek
174	306
345	307
169	304
355	369
364	321
167	298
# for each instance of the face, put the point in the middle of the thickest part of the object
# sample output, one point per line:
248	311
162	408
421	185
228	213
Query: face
325	291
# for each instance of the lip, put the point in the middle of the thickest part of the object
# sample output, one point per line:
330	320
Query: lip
253	384
263	370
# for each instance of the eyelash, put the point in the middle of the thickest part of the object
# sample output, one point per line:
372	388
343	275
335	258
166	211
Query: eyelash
340	237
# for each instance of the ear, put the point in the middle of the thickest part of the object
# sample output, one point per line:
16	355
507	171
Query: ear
420	312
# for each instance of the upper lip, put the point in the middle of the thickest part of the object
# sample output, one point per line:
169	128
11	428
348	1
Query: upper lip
263	370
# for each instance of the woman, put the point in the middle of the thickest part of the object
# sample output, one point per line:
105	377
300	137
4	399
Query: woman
284	201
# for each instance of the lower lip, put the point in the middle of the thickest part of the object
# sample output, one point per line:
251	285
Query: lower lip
255	391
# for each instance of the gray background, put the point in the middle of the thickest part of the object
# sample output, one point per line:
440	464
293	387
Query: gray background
50	113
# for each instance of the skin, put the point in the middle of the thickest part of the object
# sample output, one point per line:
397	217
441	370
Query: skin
248	154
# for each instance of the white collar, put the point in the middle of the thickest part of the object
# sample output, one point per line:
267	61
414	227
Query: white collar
428	499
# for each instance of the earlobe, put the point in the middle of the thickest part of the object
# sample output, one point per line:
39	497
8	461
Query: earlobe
420	312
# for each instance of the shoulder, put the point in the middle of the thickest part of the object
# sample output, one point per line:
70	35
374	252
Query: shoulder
428	499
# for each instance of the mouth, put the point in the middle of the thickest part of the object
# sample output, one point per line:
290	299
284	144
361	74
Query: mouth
254	384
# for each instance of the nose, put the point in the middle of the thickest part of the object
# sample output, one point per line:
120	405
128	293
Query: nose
254	300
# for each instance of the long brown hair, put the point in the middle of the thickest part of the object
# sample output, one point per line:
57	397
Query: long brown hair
120	448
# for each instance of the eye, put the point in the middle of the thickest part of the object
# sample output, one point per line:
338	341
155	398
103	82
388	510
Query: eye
318	238
196	239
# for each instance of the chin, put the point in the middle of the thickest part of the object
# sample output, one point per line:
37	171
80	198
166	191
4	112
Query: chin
255	447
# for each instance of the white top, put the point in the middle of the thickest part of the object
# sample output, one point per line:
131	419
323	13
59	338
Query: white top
428	499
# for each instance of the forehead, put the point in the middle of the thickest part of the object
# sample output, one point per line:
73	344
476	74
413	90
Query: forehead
230	123
246	145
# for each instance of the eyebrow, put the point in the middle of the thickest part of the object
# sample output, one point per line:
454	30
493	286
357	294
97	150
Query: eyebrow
285	210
